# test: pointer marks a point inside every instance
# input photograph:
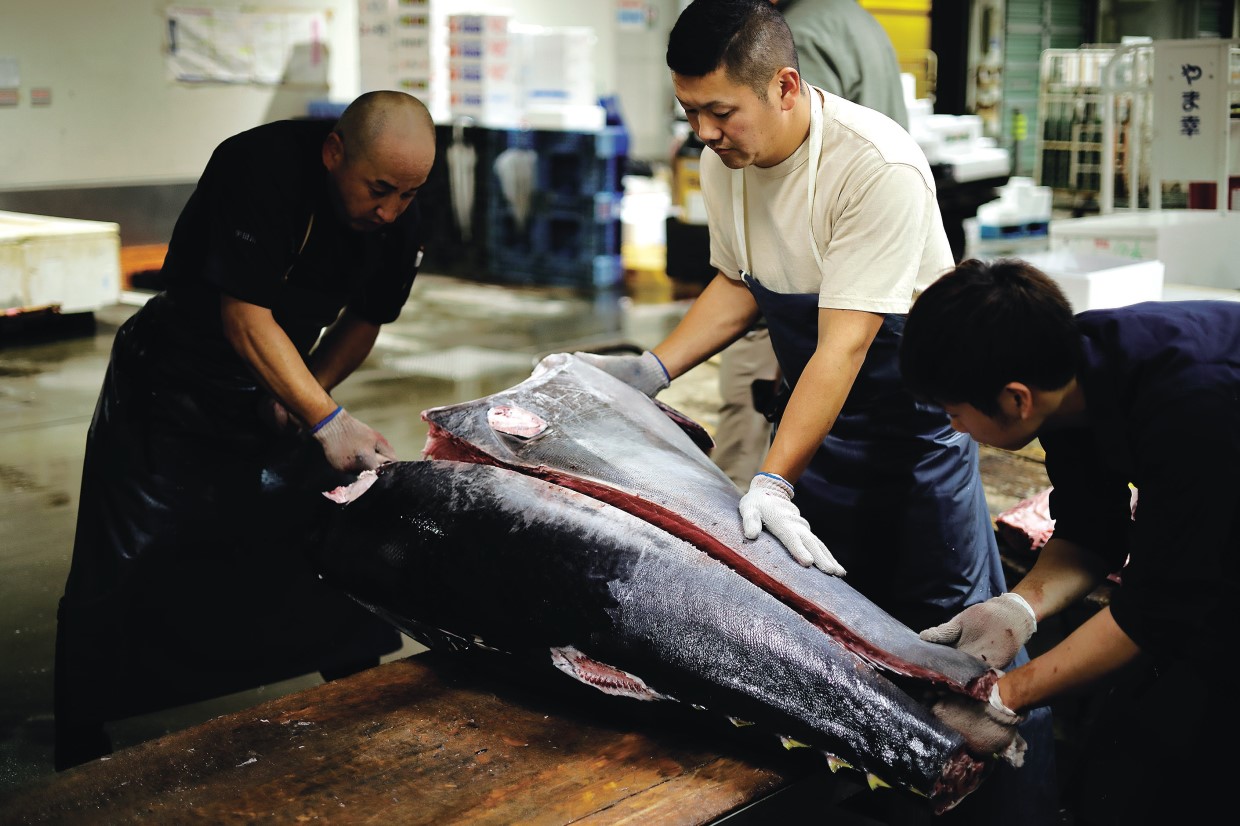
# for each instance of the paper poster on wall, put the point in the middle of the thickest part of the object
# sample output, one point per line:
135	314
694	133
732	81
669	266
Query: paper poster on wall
208	45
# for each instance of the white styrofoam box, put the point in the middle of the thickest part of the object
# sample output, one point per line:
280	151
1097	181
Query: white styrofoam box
478	25
1197	247
949	130
466	73
1019	202
643	211
1095	281
572	118
63	262
557	64
484	49
493	109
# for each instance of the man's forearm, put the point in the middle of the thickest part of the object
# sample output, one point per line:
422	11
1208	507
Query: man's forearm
1095	649
723	312
275	362
1063	575
344	347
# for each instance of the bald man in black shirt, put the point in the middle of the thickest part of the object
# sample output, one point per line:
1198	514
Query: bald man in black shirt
187	580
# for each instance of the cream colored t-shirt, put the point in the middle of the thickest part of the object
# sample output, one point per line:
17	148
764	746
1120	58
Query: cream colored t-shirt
876	218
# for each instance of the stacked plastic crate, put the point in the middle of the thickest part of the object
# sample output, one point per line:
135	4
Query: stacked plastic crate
483	70
553	216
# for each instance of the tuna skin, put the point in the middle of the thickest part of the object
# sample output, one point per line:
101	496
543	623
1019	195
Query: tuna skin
464	553
609	441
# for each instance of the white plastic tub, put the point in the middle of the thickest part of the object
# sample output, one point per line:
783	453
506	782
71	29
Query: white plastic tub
1093	282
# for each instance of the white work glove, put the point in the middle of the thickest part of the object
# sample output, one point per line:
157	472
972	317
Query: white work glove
768	504
993	630
349	445
989	728
645	372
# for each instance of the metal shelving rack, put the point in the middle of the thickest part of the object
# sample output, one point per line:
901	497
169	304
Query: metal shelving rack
1070	144
1095	145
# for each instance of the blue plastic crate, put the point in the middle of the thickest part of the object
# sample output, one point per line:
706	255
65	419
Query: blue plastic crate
326	109
571	164
576	244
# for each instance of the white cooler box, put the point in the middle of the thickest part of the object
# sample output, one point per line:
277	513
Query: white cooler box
1093	282
63	263
1197	247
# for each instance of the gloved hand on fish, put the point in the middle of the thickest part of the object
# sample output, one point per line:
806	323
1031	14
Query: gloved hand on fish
573	518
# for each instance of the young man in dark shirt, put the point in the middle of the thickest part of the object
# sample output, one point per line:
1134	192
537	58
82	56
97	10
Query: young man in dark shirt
1144	397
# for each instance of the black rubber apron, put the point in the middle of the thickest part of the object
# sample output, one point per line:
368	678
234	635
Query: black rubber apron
190	577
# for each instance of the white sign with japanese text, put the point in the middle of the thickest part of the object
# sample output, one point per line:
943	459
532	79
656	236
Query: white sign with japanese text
1190	108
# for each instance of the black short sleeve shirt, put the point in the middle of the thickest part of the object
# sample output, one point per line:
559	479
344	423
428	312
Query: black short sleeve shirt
262	226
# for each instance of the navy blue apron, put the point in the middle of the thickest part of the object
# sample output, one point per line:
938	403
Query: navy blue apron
894	491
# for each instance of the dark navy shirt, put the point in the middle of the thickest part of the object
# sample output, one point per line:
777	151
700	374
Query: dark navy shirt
246	231
1162	390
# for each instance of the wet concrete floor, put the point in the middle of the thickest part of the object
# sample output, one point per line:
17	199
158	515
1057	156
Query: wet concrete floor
456	340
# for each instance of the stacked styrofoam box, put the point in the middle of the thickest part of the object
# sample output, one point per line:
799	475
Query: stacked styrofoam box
394	46
483	70
1022	209
957	141
67	263
557	77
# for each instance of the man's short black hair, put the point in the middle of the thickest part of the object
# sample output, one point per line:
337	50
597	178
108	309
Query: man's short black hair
749	38
983	325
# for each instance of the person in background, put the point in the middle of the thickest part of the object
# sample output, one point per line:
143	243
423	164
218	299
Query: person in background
844	50
187	579
823	218
1144	396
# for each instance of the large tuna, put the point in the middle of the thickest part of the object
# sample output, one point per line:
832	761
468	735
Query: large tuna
585	522
458	554
576	426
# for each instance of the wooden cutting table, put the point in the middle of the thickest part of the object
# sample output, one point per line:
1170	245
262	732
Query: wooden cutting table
432	739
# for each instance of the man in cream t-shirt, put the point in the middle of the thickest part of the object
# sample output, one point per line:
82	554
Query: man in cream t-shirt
823	219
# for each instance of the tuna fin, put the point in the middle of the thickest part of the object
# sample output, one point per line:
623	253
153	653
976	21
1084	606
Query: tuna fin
836	763
876	782
739	723
607	679
696	433
790	744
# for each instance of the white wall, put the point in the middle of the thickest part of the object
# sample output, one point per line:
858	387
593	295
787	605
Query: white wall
117	118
